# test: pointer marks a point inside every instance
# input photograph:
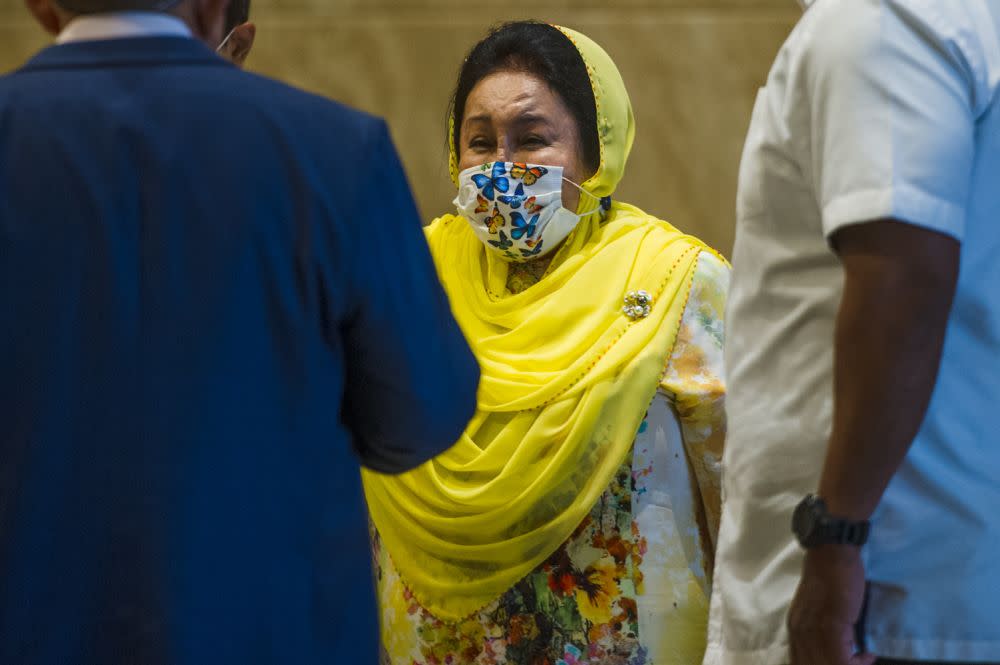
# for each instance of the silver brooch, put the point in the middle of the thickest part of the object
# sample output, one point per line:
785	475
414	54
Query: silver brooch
638	305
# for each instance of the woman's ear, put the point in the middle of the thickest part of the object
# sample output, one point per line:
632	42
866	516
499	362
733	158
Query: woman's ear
46	14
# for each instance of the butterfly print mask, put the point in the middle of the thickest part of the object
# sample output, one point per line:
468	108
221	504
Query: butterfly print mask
516	209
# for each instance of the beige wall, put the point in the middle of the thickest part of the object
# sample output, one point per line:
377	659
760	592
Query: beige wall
692	68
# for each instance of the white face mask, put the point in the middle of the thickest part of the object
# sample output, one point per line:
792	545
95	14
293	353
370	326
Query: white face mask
516	209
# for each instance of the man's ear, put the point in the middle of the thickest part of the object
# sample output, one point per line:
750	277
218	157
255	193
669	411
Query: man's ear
45	13
240	43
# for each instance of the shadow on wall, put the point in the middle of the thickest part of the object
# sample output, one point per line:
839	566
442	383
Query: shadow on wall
692	68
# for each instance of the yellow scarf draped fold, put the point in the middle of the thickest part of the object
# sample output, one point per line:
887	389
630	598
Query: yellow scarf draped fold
566	379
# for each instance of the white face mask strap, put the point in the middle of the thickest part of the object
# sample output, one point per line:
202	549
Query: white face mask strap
224	41
602	204
582	190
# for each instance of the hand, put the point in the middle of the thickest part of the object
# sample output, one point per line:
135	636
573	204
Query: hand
826	607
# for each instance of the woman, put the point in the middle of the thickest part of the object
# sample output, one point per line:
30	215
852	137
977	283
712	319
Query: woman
574	520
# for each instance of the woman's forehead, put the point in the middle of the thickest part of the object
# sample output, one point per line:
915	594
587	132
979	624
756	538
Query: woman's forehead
513	96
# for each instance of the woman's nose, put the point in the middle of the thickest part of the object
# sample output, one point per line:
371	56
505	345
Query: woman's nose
505	149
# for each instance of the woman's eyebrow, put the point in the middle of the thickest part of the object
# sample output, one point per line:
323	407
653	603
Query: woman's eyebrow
526	118
482	117
532	117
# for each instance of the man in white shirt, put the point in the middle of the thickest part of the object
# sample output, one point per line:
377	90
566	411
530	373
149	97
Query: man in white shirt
863	346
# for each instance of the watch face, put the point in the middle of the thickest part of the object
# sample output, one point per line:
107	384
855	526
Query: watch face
804	521
813	526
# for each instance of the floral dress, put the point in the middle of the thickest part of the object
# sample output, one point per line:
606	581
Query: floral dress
630	586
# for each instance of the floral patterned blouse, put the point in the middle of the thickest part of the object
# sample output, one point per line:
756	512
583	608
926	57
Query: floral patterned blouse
629	587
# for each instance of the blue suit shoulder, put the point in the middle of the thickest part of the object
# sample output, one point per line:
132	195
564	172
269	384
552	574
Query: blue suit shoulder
309	109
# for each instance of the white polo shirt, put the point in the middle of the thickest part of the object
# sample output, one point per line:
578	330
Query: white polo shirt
873	109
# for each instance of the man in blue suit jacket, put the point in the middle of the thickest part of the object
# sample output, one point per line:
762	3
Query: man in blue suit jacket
215	298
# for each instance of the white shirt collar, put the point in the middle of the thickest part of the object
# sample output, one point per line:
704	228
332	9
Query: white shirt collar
119	25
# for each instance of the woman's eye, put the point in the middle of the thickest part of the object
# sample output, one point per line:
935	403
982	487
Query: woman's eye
534	142
479	144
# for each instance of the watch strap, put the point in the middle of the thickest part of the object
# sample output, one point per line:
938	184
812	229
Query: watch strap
845	532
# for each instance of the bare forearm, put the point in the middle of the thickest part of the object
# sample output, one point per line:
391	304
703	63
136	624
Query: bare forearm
890	333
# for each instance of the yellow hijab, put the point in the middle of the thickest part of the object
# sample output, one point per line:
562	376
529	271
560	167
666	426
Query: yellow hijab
566	380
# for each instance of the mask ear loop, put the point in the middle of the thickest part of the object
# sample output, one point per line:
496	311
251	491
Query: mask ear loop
603	204
223	43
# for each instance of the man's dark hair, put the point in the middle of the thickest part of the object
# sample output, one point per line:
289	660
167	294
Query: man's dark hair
237	14
543	51
103	6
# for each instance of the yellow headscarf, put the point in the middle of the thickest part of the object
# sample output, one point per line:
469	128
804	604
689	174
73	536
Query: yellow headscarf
566	380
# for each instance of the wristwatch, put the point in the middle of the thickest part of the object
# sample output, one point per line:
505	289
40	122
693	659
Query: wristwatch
814	526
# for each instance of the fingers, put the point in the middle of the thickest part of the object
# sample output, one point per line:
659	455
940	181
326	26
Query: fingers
863	659
825	608
816	640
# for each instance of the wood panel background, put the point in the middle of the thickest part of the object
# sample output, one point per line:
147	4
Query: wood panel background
692	68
